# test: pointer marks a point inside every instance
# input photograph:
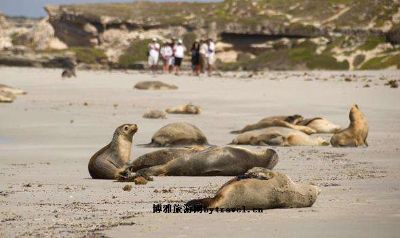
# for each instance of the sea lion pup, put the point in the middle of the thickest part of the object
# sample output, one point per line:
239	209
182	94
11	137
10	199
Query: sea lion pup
112	160
155	114
356	134
154	85
320	125
260	188
213	161
178	134
282	121
184	109
12	90
277	136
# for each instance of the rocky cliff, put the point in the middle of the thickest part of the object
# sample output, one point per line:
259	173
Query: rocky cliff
251	34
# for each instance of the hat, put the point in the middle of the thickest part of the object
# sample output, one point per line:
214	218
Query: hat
154	39
180	41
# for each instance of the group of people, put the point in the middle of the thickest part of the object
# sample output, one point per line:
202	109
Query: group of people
172	54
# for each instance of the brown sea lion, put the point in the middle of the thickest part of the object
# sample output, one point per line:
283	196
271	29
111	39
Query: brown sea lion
184	109
282	121
356	134
260	188
320	125
178	134
155	114
112	160
154	85
277	136
213	161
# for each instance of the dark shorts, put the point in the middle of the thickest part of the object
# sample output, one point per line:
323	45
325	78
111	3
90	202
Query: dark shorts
178	61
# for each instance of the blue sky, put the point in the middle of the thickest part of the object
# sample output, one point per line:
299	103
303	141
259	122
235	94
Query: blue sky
34	8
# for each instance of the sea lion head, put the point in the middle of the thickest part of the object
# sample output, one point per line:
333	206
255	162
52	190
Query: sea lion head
294	119
272	157
126	131
190	108
357	117
354	112
322	142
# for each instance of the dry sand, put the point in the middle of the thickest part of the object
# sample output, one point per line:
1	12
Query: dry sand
48	136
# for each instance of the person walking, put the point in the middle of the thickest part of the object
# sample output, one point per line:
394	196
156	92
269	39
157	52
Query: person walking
166	55
210	56
173	46
154	52
203	55
196	57
178	56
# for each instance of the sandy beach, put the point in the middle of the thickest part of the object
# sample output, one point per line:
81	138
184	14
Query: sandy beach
48	136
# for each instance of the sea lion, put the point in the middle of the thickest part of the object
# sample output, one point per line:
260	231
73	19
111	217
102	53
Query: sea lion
112	160
282	121
68	73
356	134
277	136
320	125
260	188
178	134
184	109
12	90
213	161
155	114
154	85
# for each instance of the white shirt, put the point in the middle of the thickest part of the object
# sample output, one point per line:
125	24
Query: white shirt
180	51
154	48
204	49
166	51
211	49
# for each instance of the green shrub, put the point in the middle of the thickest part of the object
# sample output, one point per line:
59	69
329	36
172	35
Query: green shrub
188	39
137	52
358	60
382	62
301	56
305	53
328	62
372	42
20	39
89	55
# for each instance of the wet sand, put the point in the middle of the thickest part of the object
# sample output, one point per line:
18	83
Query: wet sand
48	136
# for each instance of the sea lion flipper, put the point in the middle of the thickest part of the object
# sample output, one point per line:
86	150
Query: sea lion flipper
199	203
213	172
157	170
236	132
366	143
263	143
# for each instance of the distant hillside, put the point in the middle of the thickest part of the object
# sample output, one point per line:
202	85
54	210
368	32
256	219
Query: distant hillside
251	34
